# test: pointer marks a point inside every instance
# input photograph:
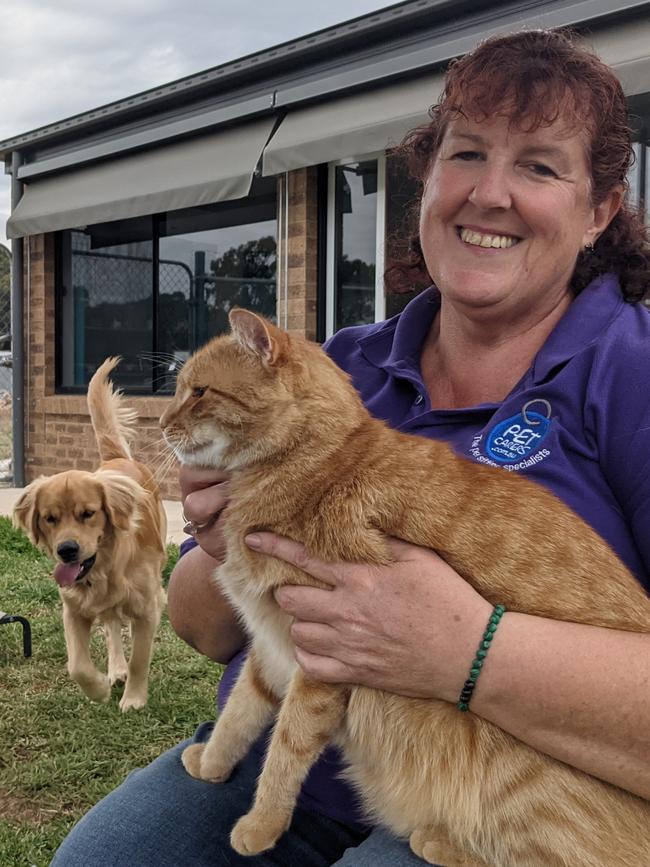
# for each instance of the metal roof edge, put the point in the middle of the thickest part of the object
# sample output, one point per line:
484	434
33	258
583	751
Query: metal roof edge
488	14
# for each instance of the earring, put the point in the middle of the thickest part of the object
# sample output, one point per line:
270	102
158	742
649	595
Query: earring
589	249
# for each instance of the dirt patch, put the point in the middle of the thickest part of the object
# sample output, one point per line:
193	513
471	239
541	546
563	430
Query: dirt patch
20	810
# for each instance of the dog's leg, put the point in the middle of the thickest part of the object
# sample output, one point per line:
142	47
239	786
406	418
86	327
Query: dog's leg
137	681
117	667
80	666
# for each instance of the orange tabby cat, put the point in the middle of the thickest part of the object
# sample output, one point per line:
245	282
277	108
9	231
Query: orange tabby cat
309	462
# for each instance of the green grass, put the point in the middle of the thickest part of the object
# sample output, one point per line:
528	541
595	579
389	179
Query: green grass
60	753
5	430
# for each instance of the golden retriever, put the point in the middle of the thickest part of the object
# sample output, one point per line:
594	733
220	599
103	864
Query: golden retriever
107	532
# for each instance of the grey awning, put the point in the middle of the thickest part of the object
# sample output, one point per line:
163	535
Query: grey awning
626	48
350	126
210	168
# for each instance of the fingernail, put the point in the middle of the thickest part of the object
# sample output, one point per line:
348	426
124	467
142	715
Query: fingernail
253	540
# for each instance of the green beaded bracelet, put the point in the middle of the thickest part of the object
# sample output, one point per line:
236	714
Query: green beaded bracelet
479	659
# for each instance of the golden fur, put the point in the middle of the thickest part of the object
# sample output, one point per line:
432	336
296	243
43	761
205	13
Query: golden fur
309	462
116	515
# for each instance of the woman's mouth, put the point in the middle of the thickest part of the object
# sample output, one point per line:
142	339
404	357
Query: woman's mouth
484	239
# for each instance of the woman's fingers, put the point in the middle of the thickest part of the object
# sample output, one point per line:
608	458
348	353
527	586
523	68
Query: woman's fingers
308	603
203	505
295	554
194	478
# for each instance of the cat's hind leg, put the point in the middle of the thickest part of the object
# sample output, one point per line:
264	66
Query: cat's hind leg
434	846
310	715
249	709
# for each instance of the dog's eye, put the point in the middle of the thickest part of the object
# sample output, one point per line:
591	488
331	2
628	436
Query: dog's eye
86	514
51	519
199	391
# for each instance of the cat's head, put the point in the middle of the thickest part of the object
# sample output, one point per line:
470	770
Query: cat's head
250	394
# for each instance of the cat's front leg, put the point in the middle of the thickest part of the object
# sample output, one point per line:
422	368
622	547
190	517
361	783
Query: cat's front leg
249	709
310	715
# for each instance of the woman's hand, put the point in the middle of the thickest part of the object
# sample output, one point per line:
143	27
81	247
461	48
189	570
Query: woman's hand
204	494
411	627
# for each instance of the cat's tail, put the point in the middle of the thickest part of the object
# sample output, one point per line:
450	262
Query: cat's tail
113	421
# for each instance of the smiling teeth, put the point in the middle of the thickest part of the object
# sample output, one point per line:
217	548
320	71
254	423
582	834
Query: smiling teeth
478	240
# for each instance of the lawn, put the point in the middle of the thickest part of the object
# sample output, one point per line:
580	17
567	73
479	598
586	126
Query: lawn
60	753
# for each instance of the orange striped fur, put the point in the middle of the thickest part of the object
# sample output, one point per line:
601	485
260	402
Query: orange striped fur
308	461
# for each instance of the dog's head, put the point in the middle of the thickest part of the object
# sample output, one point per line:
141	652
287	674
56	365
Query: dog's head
74	515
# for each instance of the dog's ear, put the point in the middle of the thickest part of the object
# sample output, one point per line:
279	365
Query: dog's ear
25	515
121	496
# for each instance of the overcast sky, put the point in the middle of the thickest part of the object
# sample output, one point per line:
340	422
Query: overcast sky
61	57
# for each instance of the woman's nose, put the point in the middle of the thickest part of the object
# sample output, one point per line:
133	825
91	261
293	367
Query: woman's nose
492	188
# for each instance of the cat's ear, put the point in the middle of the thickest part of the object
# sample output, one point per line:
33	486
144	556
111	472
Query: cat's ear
264	339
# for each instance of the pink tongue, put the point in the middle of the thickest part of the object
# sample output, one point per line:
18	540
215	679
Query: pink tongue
66	573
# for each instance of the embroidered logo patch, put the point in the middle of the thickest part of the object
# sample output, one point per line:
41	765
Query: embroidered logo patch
520	435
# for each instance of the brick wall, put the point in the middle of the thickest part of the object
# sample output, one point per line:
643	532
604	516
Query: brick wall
58	433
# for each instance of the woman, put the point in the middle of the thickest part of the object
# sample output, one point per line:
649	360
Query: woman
522	228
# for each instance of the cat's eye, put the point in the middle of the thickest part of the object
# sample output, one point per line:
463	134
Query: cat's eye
199	391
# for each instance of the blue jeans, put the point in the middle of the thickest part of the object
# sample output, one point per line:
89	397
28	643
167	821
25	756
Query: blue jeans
161	817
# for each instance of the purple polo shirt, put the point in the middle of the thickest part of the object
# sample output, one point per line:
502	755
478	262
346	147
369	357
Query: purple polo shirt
578	422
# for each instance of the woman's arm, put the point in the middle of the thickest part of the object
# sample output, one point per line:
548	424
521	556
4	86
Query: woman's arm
198	611
578	693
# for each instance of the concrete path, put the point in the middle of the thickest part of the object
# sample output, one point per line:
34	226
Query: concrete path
175	522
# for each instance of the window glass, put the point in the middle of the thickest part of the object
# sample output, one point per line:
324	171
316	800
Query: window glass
355	205
211	260
402	195
106	303
154	289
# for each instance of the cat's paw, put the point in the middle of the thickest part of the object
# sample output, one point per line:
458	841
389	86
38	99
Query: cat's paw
254	834
199	764
191	759
434	847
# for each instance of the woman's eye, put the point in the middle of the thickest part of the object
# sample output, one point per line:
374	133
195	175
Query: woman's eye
86	515
466	156
199	391
541	169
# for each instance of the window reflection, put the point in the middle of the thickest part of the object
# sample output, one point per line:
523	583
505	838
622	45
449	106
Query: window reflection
107	303
355	243
154	289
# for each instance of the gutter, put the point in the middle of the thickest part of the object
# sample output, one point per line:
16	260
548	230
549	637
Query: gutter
17	335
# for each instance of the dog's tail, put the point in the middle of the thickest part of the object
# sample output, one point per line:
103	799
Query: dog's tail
112	421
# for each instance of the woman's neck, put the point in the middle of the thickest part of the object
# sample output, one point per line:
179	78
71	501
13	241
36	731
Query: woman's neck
466	362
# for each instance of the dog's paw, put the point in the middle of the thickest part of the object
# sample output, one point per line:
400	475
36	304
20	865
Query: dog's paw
118	676
98	689
132	702
254	834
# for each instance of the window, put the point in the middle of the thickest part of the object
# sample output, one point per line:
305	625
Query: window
153	289
368	205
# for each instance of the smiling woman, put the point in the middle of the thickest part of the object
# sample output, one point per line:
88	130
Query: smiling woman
522	355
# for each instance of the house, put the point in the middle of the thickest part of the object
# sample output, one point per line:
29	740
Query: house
266	182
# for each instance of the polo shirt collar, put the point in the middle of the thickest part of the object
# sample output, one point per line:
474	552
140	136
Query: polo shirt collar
587	318
395	346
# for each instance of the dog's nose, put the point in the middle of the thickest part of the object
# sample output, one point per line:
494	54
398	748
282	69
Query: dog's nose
68	551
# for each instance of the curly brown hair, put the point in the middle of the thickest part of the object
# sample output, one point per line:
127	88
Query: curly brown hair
533	78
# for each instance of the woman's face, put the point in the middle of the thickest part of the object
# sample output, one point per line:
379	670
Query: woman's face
504	215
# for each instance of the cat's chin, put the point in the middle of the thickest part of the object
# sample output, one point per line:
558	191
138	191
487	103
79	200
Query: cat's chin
211	455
